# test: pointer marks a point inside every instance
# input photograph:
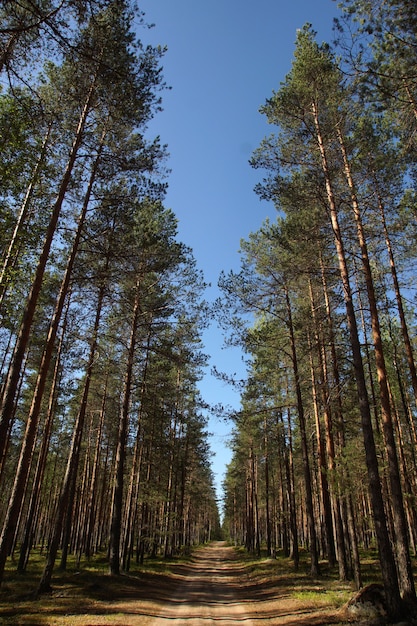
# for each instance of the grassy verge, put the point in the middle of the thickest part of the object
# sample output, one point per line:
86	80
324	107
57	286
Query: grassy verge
81	590
326	590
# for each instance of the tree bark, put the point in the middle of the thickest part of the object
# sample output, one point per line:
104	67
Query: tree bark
289	470
402	550
117	500
340	429
403	322
26	324
69	480
328	538
315	569
40	467
388	567
91	506
21	345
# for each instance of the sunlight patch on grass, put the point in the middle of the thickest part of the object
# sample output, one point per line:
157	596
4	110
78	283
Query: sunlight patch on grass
320	597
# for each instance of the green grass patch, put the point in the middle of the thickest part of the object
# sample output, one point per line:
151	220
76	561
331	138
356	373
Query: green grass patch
327	597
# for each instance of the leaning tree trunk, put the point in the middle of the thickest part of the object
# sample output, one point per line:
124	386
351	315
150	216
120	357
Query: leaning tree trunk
402	549
6	443
41	463
386	556
11	254
12	382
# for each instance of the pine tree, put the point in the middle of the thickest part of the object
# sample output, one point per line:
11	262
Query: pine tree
108	119
307	110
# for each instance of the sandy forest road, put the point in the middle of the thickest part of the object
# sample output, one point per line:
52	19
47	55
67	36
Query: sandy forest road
216	589
209	591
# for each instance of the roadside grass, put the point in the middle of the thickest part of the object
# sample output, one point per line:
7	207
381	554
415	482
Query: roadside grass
324	591
84	588
336	598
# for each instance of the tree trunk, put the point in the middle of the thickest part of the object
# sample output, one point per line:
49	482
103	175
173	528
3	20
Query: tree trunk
388	567
402	551
33	418
11	254
9	259
12	381
289	470
91	508
398	297
40	468
117	500
330	447
340	429
69	480
315	570
267	502
328	538
20	349
170	482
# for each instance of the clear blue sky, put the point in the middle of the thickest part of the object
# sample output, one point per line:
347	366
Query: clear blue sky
224	59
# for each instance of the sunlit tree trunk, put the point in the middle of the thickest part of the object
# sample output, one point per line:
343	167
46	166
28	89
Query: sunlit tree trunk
169	504
324	492
42	456
403	322
92	497
267	498
388	566
330	446
33	418
12	381
133	489
350	521
406	581
289	470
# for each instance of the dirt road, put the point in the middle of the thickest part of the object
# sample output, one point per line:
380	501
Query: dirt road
209	591
215	587
218	589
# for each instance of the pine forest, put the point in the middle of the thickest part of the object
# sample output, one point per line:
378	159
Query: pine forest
104	443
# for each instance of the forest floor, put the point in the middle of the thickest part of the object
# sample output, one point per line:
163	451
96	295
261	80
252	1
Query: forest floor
216	585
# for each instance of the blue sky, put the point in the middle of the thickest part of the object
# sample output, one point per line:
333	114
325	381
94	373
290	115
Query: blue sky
224	59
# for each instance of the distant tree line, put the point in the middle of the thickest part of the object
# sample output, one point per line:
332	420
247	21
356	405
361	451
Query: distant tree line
324	305
103	441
